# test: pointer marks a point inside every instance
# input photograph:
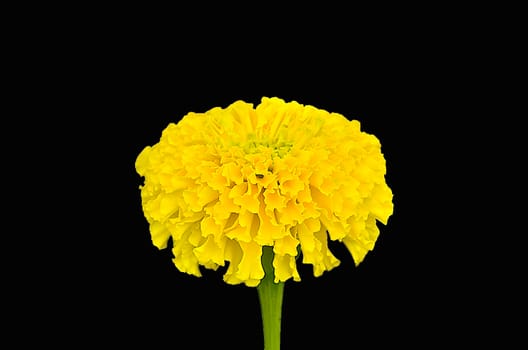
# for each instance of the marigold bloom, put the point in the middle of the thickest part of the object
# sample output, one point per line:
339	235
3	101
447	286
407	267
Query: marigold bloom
225	183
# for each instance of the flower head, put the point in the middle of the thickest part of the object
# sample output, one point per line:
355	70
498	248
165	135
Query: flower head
225	183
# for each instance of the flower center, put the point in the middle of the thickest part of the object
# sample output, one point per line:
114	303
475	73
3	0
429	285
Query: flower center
278	149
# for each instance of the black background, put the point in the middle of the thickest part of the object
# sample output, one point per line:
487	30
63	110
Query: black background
91	272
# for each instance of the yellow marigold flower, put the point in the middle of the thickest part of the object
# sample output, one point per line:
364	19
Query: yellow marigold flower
225	183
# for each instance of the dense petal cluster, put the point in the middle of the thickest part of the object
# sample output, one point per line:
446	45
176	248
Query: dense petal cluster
225	183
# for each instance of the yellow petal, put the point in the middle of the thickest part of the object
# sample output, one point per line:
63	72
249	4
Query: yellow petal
321	258
245	228
305	233
233	254
285	267
184	257
160	235
168	204
210	251
269	230
250	266
206	195
286	245
274	200
291	214
142	160
249	200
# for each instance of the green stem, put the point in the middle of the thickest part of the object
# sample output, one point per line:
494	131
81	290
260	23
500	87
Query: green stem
270	297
